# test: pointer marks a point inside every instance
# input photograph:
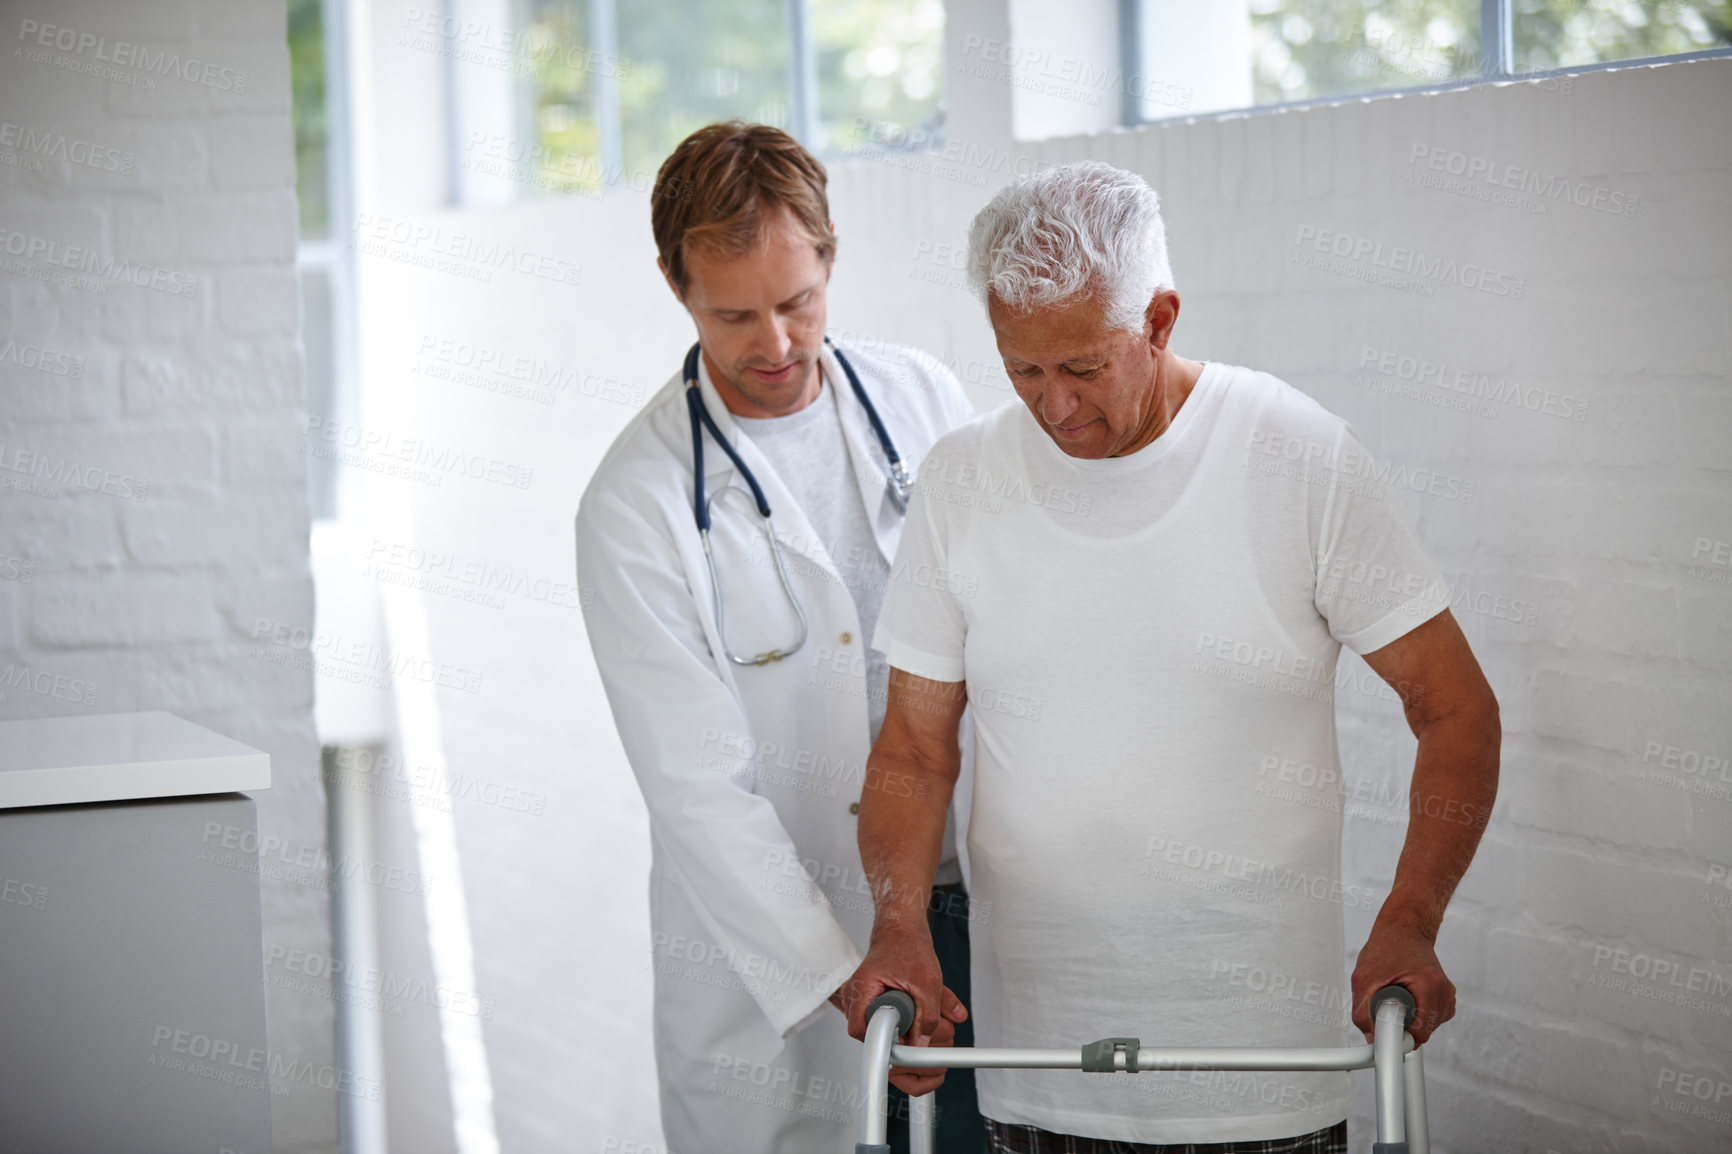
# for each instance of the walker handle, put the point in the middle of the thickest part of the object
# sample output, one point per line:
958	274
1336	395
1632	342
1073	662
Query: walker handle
904	1008
1399	994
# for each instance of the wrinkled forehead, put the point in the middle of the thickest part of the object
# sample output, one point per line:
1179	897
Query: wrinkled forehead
1073	330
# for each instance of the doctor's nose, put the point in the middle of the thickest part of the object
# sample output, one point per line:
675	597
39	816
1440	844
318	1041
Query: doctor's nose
775	340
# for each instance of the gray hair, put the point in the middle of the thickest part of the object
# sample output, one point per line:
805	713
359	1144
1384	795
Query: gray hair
1078	230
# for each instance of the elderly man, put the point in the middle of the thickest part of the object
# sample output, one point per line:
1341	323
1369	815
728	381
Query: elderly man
1169	556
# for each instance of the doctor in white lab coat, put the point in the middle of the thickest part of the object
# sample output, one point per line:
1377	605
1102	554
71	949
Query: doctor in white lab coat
751	774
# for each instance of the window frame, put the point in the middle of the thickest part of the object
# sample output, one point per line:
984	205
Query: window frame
1496	28
331	255
803	112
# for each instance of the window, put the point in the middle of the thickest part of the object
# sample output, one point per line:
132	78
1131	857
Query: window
312	184
1566	33
1309	48
560	101
608	88
307	83
693	63
320	135
880	70
1302	50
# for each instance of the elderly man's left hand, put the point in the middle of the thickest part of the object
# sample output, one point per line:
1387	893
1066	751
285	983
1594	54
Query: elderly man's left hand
1399	953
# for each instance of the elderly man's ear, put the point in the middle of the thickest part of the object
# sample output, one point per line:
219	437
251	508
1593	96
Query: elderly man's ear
1160	317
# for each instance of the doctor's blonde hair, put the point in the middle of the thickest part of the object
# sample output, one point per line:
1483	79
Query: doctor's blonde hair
714	191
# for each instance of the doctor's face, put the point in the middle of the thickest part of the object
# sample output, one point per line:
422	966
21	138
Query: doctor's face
1095	390
760	317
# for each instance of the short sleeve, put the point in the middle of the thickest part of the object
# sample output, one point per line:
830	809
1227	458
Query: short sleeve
1375	581
921	629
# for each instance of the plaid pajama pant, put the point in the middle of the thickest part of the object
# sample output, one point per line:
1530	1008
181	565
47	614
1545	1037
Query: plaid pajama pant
1010	1138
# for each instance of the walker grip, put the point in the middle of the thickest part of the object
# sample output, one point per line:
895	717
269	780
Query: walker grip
904	1009
1399	994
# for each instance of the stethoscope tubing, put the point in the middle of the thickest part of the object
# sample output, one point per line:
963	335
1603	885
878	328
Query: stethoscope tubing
701	420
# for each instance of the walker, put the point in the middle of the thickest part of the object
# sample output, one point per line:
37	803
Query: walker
1400	1076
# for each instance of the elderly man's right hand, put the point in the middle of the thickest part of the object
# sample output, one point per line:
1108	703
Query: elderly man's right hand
905	961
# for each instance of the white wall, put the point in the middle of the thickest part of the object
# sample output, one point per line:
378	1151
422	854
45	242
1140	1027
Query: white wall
554	842
139	584
1196	57
1061	63
1585	532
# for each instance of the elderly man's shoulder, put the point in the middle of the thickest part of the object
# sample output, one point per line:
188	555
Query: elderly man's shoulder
1279	407
991	430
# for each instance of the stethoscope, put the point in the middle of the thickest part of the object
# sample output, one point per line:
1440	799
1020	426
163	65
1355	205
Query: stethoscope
900	484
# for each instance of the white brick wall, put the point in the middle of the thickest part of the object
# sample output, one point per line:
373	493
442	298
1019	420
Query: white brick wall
188	407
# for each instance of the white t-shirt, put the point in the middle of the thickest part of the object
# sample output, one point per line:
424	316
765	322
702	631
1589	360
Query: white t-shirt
1149	644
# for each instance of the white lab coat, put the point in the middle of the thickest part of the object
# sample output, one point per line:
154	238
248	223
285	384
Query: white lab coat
748	772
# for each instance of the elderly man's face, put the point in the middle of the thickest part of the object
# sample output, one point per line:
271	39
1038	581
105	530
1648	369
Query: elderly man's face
1096	390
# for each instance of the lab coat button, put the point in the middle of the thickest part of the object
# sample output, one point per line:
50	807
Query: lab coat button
847	637
854	808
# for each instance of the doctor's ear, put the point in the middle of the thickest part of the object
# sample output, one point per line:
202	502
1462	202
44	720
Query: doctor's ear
672	287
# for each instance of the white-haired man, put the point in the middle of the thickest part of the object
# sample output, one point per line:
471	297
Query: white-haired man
1169	556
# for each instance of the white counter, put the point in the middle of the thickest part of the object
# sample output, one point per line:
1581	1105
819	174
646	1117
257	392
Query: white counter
118	756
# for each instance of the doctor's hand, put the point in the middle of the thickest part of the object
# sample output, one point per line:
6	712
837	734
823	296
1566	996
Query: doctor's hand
907	962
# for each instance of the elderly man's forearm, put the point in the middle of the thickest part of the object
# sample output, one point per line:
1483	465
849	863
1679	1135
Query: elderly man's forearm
1450	801
902	815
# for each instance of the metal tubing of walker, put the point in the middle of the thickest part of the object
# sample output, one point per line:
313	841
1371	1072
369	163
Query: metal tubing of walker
875	1079
1399	1071
1418	1138
1389	1040
923	1124
1190	1058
